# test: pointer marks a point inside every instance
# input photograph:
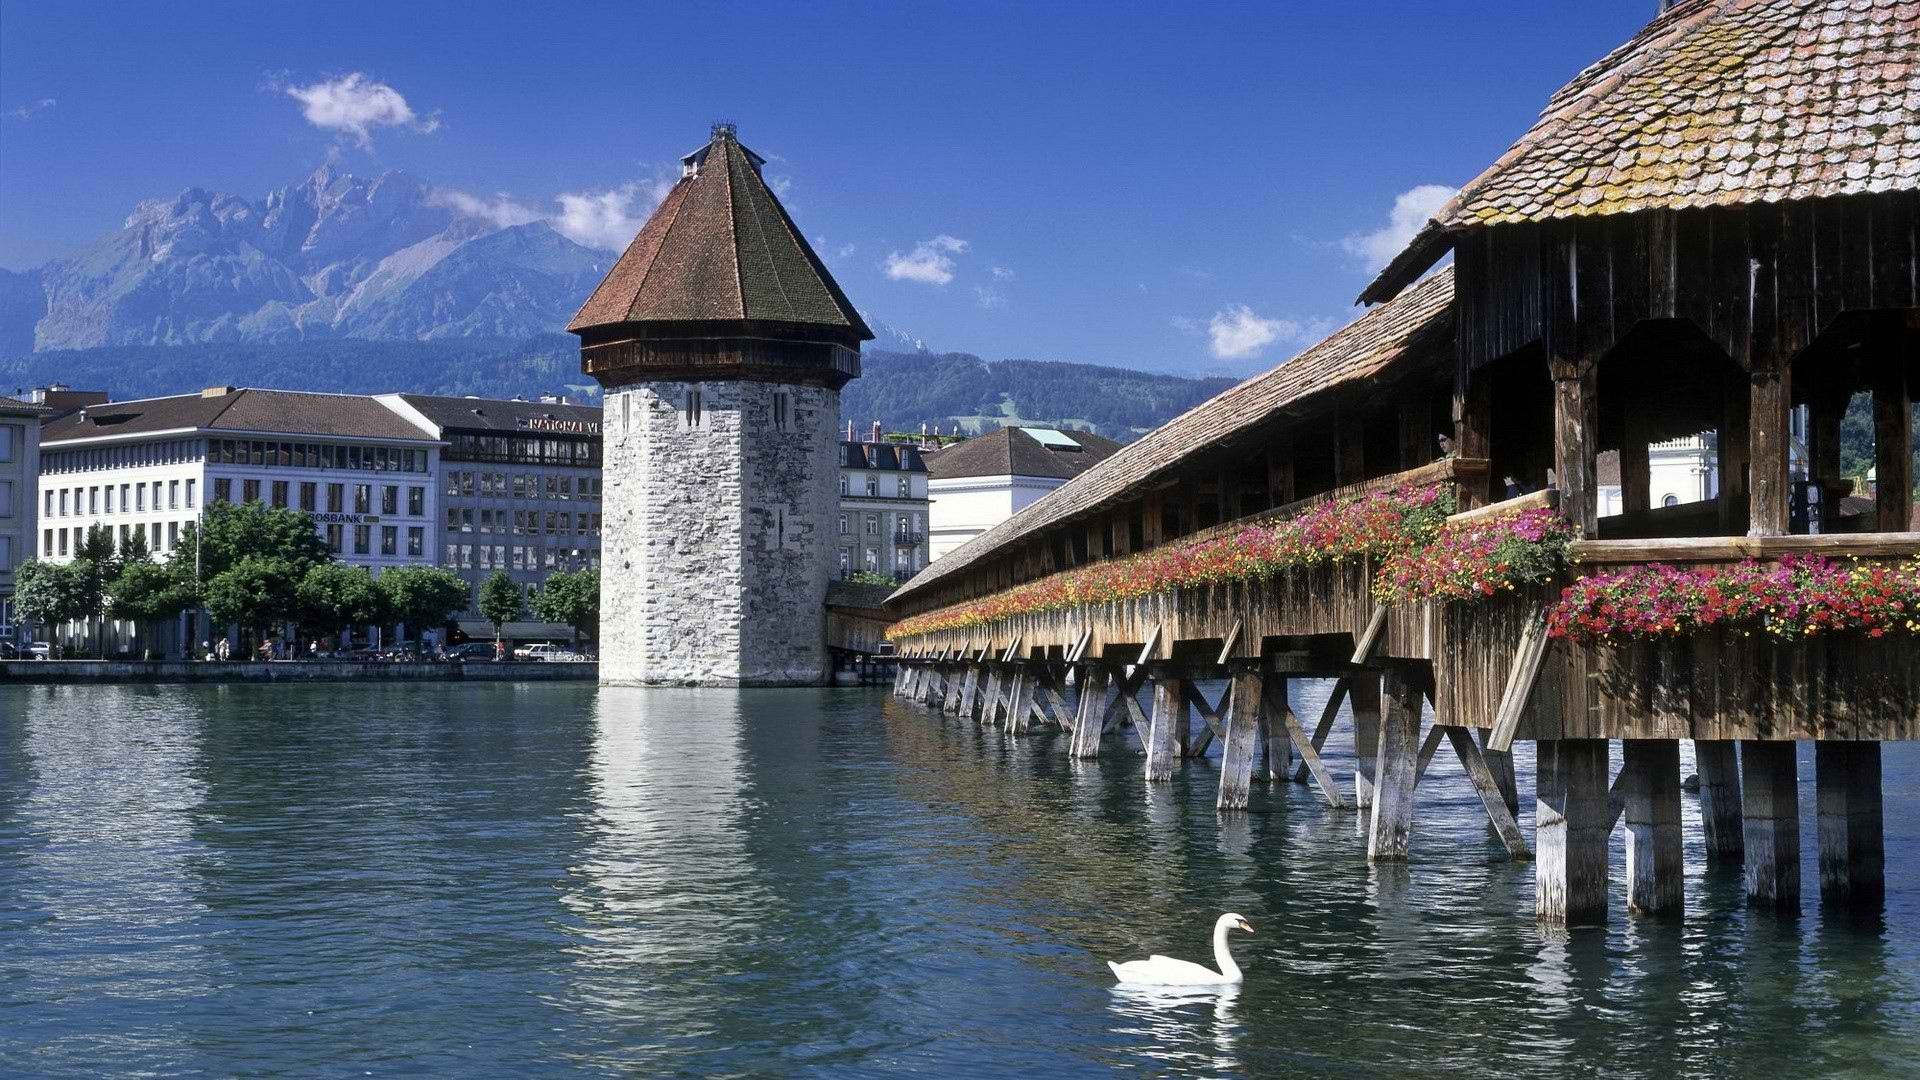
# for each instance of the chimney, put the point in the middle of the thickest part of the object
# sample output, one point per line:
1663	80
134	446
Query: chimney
216	391
849	431
876	431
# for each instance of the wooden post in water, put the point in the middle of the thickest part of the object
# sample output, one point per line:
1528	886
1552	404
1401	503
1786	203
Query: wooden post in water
1020	700
1719	765
1245	713
1852	832
1167	732
950	701
1090	715
969	690
1770	809
1398	761
990	700
1363	695
1500	769
1273	721
1654	870
1571	822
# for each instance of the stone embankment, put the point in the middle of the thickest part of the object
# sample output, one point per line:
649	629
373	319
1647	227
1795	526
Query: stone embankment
294	671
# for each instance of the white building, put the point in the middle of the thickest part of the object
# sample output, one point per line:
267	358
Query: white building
1679	471
883	509
364	473
19	465
977	484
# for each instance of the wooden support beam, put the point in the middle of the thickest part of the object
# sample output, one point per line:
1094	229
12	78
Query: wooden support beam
1428	747
1654	868
956	684
1363	695
1575	447
1528	659
1892	441
1500	765
1246	702
990	701
1168	730
1396	767
1636	475
1487	786
1310	761
1210	715
1570	831
1472	423
1089	721
969	691
1719	766
1349	440
1417	444
1770	812
1735	445
1280	472
1369	639
1320	729
1770	494
1020	701
1276	743
1852	829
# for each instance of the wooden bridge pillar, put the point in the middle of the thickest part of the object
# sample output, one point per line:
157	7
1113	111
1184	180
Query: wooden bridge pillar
969	691
1278	744
1500	769
990	698
1654	868
1167	729
1719	766
1363	696
1246	712
1020	700
1571	823
1090	713
1770	809
1852	833
956	677
1397	764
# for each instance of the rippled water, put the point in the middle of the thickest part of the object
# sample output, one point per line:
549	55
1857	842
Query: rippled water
496	880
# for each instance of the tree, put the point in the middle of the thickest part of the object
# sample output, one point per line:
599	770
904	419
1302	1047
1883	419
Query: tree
423	597
332	597
254	592
146	593
230	534
573	599
50	594
134	548
501	602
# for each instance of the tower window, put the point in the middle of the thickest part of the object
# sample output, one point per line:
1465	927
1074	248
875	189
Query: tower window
695	414
782	411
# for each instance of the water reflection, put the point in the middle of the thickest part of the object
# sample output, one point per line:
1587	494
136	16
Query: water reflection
1189	1029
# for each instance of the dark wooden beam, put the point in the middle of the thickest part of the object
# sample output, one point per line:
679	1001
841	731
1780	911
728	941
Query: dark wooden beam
1892	437
1576	422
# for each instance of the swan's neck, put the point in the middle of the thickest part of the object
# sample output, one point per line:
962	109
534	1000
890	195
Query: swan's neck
1221	956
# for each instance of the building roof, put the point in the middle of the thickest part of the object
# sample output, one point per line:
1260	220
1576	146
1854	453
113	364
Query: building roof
238	410
720	248
896	457
1416	327
489	414
1013	451
1713	103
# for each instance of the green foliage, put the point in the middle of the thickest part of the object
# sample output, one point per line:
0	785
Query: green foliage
149	592
869	577
332	597
423	597
231	533
573	599
1856	438
135	548
96	546
49	594
501	601
254	592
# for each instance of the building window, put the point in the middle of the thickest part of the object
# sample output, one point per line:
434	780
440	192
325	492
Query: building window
389	540
222	491
416	541
280	494
1670	500
873	525
249	492
416	502
173	494
873	485
153	544
336	498
6	510
782	411
694	415
843	524
334	534
843	485
63	542
63	501
873	559
363	499
466	520
9	438
362	539
173	535
906	488
309	495
390	499
189	497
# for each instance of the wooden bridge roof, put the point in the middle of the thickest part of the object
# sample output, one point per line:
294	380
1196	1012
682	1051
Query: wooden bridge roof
1713	103
1416	328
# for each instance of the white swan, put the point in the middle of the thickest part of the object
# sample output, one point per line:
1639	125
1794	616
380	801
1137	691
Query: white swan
1166	971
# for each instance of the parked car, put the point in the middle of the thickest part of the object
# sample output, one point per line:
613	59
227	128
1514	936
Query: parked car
9	651
550	653
471	652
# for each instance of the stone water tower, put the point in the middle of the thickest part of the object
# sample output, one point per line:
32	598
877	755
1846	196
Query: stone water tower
722	344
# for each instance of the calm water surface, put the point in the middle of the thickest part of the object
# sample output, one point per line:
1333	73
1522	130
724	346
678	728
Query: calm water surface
555	879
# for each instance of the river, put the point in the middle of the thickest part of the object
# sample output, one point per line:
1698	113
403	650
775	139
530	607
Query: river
508	880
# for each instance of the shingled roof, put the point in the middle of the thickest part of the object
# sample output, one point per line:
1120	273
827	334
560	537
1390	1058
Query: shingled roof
1416	327
225	409
720	248
1012	451
1713	103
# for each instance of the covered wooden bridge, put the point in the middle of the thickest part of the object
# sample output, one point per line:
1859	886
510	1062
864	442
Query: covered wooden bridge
1715	230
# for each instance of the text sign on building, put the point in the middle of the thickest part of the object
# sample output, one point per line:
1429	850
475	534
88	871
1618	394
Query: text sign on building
557	426
347	519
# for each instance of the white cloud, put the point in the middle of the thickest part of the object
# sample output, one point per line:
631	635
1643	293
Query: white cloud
502	210
844	251
31	109
1411	210
354	104
1002	273
930	262
1236	333
989	297
608	219
1184	324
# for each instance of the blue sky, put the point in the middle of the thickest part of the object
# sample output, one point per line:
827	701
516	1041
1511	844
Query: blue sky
1178	187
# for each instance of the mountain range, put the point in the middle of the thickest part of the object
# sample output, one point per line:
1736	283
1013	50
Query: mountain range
358	285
